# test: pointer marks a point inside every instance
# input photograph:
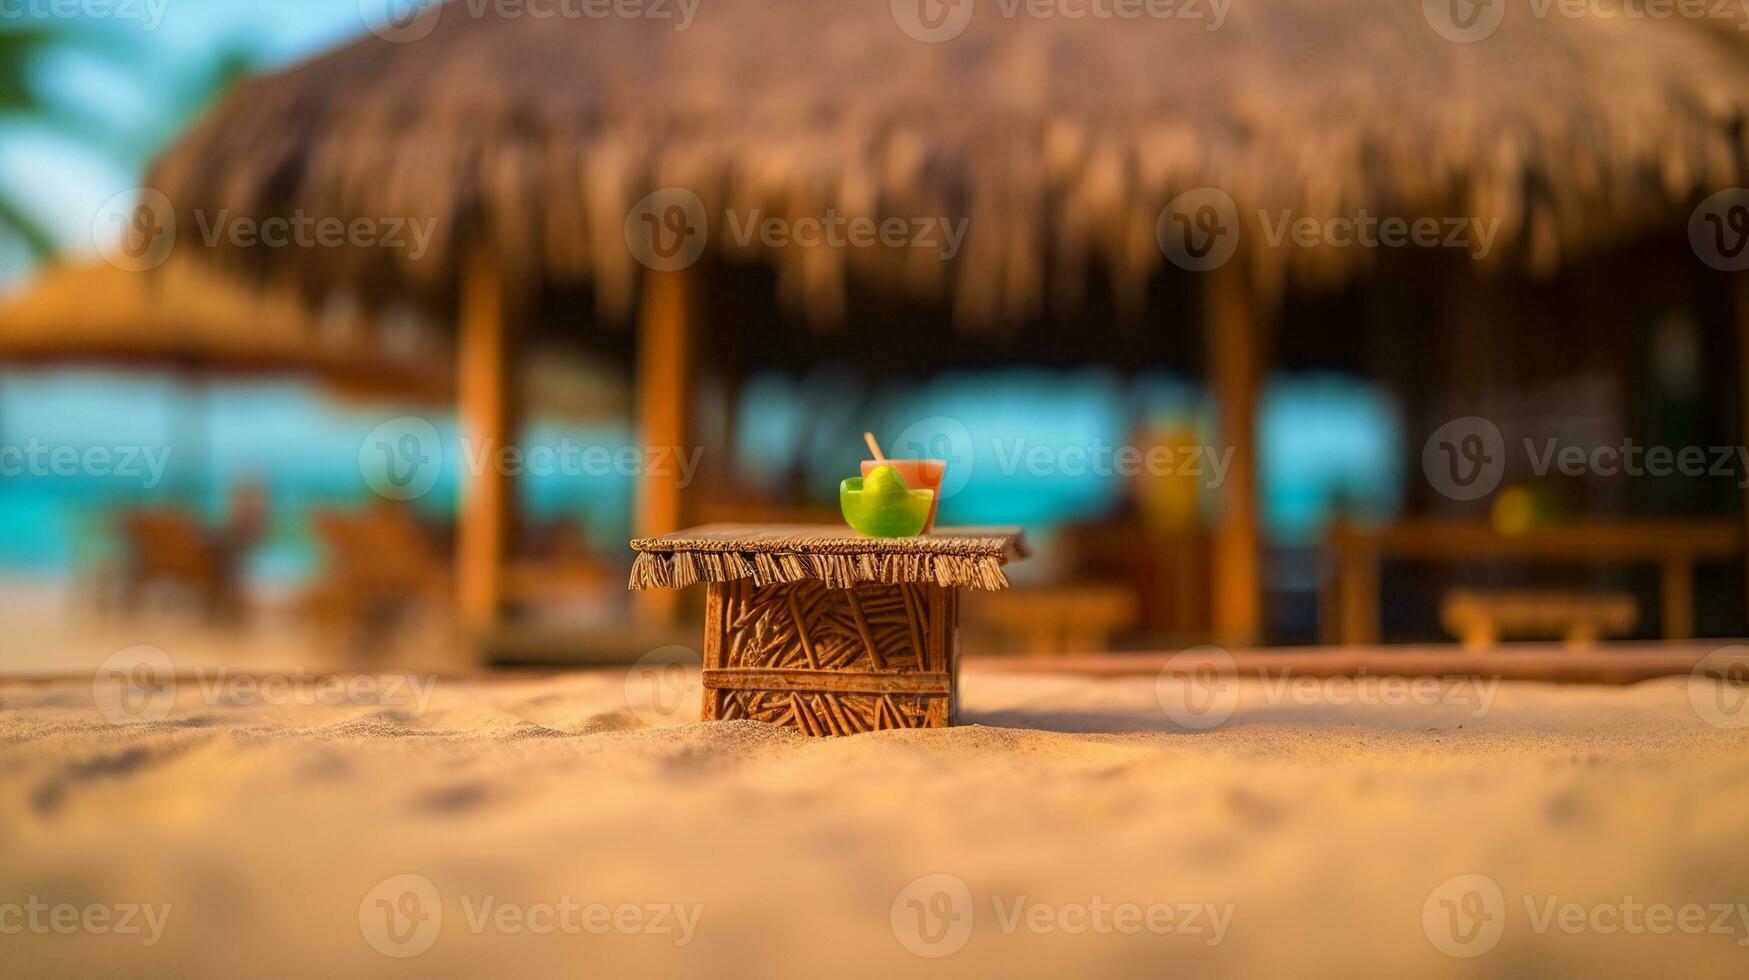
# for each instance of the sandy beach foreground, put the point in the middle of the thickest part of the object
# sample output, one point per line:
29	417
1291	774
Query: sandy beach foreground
1073	828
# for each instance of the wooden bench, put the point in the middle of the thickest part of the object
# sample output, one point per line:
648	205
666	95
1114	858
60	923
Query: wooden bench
1481	619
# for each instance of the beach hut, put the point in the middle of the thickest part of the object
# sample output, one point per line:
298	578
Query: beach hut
1067	144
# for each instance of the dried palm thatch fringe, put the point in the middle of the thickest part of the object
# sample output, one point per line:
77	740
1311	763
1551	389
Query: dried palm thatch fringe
677	570
1058	140
962	558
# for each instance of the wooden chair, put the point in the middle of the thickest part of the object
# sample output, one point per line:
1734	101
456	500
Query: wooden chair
379	563
171	548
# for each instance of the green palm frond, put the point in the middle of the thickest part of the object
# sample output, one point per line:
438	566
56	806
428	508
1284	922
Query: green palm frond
19	97
15	223
23	99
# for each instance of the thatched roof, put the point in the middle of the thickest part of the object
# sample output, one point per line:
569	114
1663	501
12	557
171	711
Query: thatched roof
1061	140
94	312
186	317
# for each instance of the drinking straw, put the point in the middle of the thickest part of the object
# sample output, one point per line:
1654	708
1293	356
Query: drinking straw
874	447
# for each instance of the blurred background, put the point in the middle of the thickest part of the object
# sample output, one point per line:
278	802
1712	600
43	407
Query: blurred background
262	450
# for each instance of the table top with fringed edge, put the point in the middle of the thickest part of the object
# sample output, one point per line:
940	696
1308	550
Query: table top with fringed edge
970	557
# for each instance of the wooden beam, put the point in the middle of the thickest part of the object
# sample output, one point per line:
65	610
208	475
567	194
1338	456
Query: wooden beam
1605	663
667	333
1231	321
486	405
1590	540
815	679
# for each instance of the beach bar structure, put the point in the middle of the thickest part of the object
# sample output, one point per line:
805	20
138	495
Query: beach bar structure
536	146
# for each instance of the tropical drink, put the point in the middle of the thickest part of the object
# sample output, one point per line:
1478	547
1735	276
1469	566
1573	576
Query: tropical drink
919	474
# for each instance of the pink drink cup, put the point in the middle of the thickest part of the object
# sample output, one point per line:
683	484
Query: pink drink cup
919	474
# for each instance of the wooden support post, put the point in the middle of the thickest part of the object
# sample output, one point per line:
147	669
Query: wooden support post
1231	320
1741	305
486	396
667	333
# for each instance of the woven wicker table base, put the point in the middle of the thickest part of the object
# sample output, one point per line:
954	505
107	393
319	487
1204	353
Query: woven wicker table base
822	631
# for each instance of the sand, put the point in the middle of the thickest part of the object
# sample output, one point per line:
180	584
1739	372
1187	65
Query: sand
538	826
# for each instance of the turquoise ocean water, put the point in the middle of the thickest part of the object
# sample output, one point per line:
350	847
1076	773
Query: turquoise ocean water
1324	439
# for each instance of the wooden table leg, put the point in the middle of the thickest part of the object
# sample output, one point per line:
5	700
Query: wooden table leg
1359	592
1678	597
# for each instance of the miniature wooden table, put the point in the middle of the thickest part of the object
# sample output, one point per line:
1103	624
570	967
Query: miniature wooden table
824	630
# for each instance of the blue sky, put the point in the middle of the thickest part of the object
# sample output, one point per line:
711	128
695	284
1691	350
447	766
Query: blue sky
125	91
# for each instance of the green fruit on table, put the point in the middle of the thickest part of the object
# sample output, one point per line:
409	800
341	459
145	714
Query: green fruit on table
884	480
881	505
